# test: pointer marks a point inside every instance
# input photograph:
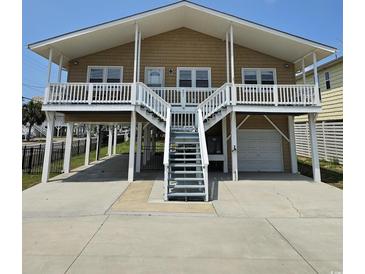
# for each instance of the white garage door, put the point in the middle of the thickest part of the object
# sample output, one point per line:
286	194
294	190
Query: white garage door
259	150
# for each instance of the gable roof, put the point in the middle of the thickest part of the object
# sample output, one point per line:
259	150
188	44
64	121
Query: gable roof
252	35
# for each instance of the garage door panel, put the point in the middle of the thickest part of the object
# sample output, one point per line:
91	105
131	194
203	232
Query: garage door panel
260	150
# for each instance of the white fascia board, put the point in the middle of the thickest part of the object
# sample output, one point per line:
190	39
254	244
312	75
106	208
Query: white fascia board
237	20
132	18
277	109
229	18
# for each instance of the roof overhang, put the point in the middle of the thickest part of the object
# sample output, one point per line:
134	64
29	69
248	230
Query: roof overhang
100	37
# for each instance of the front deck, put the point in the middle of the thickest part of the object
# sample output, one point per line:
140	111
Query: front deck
123	96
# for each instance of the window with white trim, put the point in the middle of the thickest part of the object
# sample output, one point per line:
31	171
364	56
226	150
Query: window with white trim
155	76
327	80
105	74
263	76
194	77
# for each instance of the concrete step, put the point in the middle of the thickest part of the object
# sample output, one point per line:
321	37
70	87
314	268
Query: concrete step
186	194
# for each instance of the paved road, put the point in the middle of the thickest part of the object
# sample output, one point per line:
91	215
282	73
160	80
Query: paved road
263	224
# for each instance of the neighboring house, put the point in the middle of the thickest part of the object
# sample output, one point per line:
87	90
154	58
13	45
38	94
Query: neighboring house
212	82
330	119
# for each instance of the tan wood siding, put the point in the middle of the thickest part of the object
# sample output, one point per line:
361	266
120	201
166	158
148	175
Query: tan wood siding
332	99
179	48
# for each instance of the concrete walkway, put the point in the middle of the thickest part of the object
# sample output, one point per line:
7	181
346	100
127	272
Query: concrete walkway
267	223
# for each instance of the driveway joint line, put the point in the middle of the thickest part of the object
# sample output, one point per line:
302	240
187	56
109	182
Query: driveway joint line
82	250
235	198
277	230
107	211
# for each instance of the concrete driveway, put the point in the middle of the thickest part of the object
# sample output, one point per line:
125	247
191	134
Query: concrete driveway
271	223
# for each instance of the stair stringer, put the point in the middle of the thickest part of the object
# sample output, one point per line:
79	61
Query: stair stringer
216	117
150	118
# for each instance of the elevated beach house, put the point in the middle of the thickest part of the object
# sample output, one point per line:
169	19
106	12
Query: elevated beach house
188	71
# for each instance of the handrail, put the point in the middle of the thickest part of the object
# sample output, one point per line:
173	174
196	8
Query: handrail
147	97
203	151
221	97
166	154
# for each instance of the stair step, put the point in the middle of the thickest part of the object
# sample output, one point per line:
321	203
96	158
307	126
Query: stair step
185	137
186	194
184	153
186	165
186	159
187	186
187	179
186	172
186	143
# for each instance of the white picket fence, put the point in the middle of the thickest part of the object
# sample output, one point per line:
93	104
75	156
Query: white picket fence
329	137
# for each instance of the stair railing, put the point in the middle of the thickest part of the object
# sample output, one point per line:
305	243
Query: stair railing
218	99
148	98
203	151
166	155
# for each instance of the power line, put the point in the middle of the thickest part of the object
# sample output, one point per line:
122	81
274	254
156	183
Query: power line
32	86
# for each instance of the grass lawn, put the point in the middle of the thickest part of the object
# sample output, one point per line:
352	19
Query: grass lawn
331	172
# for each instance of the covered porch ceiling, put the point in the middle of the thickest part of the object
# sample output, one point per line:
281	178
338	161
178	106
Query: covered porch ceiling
97	38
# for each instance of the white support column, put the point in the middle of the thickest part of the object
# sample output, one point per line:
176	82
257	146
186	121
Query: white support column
48	146
227	56
293	152
315	75
153	140
224	144
49	65
303	72
115	140
60	69
88	145
314	148
139	56
315	72
68	148
110	140
139	147
132	144
145	145
135	54
97	143
232	54
234	146
148	143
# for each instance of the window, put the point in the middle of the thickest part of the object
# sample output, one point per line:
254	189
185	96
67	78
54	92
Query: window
154	77
99	74
250	76
193	77
261	76
327	80
202	79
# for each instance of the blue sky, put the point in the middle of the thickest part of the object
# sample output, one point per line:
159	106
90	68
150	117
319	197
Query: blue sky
319	20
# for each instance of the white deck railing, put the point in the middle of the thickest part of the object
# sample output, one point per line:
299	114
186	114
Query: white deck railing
177	96
146	97
208	99
203	151
220	98
166	154
278	95
183	120
88	93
